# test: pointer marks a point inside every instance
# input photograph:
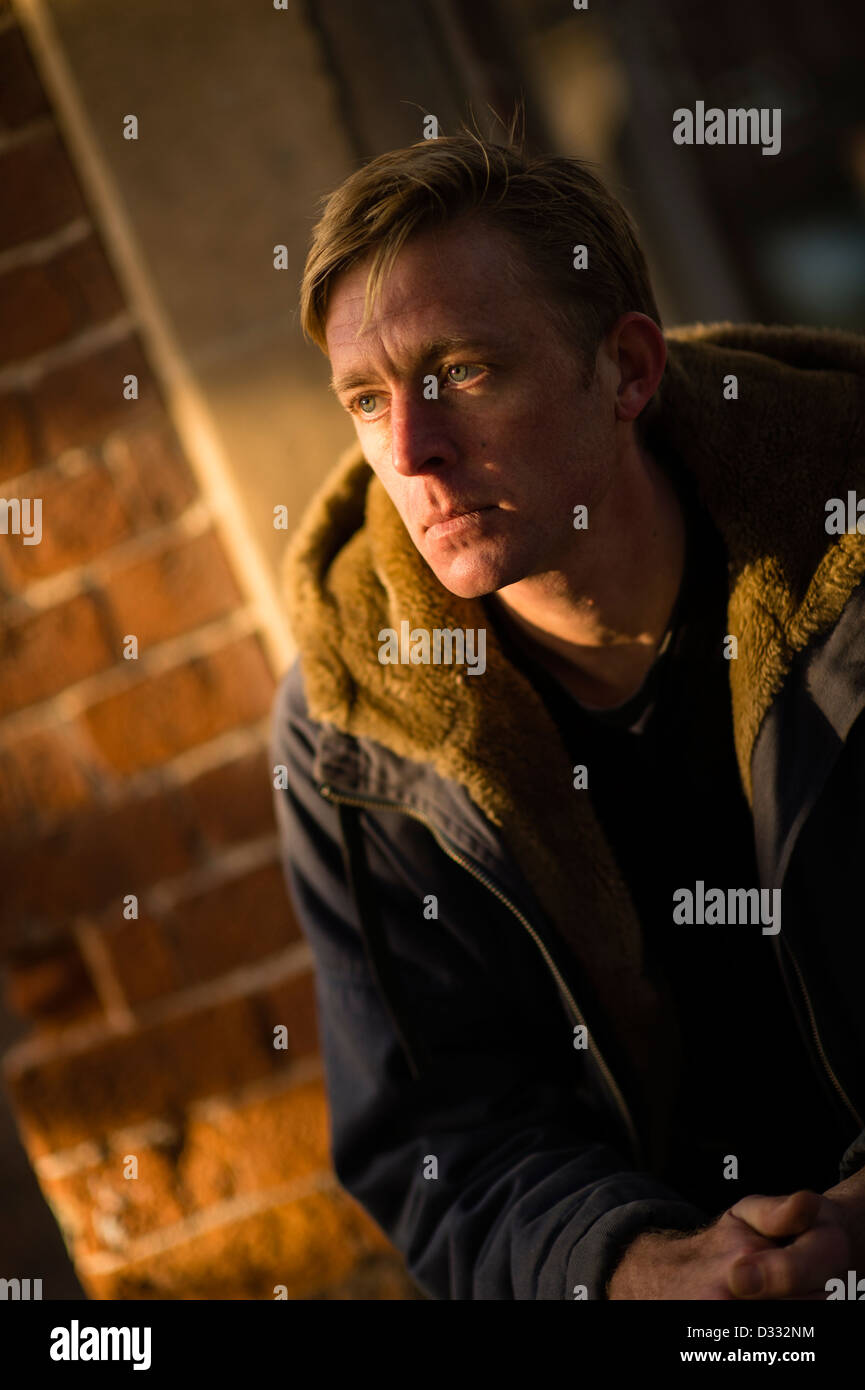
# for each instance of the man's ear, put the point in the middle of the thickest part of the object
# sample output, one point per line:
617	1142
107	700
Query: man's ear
636	344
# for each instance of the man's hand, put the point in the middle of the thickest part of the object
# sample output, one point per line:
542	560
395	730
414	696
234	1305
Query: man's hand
762	1247
818	1246
833	1222
698	1265
849	1196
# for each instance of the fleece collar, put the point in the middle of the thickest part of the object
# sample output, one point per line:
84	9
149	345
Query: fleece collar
764	464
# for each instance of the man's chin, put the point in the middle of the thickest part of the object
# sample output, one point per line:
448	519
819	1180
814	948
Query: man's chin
463	584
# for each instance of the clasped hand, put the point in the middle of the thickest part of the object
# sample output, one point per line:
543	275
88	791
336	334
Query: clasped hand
785	1247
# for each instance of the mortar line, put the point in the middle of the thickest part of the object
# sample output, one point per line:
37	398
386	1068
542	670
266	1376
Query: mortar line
212	1218
45	248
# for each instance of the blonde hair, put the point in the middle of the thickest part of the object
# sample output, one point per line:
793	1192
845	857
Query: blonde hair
546	204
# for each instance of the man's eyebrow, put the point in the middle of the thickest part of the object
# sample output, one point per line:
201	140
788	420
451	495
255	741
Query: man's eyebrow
433	348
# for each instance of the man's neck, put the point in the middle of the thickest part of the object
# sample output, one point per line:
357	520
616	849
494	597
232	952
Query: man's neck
597	623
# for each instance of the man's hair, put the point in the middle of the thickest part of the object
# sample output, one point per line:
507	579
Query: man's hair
546	204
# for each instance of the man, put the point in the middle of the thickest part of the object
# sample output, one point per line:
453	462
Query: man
577	657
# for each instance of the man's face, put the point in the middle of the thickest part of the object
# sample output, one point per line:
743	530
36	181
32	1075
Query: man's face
513	442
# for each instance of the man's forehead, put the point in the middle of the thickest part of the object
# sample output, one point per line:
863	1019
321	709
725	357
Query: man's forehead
403	307
412	312
439	275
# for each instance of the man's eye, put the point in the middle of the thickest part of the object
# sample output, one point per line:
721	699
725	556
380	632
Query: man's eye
364	410
460	367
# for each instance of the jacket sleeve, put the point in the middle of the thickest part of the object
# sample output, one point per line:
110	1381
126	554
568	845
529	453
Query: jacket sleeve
487	1171
853	1158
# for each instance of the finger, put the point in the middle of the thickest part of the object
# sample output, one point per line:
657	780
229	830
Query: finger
800	1268
780	1216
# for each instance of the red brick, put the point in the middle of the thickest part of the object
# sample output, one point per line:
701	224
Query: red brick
256	1144
292	1003
81	402
127	1078
163	715
203	937
18	448
174	591
89	280
100	1209
50	650
141	954
21	95
50	983
82	516
233	924
40	191
40	778
35	312
152	473
370	1280
246	1150
306	1245
99	854
321	1245
235	800
44	304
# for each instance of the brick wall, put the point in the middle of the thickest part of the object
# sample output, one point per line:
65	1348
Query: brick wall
150	1036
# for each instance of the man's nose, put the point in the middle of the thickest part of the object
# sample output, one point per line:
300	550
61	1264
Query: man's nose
419	435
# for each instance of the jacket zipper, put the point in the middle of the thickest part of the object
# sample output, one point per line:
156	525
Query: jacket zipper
812	1018
621	1104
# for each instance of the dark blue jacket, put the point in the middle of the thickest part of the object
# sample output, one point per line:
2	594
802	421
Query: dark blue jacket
464	909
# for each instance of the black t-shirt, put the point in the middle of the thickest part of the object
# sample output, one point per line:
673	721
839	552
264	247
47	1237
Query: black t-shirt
665	786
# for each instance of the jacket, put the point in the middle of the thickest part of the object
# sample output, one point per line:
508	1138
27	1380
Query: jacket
464	910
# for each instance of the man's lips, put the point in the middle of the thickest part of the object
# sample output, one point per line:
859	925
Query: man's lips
452	512
455	520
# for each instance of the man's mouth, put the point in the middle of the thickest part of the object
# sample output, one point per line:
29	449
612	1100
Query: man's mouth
456	520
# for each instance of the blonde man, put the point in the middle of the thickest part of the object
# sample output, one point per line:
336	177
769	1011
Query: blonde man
584	921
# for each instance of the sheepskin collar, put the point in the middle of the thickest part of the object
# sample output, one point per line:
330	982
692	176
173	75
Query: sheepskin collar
765	464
